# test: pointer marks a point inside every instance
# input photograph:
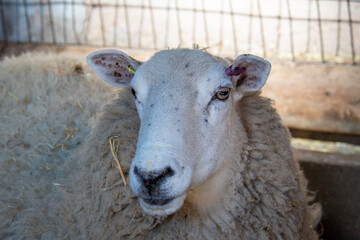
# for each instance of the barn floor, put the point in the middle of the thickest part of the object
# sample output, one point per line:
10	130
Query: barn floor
334	175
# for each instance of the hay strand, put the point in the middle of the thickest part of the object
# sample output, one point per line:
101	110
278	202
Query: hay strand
17	100
112	141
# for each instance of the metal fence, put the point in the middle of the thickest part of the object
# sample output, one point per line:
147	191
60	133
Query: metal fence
300	30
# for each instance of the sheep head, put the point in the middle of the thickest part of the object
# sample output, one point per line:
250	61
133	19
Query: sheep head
186	101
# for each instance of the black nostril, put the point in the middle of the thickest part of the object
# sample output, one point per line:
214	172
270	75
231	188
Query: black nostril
168	171
136	171
153	179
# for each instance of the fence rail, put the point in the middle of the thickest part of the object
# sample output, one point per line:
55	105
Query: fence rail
300	30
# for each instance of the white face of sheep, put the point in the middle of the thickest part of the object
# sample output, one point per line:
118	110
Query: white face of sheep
186	100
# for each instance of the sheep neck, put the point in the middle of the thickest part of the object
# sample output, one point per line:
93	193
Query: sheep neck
210	195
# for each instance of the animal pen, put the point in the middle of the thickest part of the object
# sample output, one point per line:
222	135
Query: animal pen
313	46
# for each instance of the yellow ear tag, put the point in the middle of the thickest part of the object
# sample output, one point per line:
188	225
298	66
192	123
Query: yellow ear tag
130	69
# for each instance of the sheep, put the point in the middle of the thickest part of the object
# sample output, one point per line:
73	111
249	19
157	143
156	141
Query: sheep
47	102
205	155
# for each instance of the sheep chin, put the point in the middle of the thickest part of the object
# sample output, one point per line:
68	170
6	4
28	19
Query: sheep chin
163	210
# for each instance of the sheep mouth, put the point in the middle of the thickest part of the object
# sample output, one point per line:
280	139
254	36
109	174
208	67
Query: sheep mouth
159	202
162	206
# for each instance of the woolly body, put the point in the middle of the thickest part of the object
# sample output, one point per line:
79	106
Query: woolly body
263	194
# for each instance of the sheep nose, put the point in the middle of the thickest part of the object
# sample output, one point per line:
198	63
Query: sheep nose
152	180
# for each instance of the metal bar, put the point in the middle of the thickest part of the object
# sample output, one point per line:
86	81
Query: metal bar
101	15
194	22
351	33
141	22
205	24
153	24
115	22
85	32
65	22
291	31
261	29
233	28
28	26
73	21
51	22
250	25
17	19
338	30
221	26
167	25
309	29
42	31
178	21
278	37
127	23
320	32
3	22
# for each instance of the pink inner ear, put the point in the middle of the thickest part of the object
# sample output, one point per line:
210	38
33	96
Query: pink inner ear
113	68
235	72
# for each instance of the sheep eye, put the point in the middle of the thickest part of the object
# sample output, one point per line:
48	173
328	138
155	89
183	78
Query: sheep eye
223	93
133	92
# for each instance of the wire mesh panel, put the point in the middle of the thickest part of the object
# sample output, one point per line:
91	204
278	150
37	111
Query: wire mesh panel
310	30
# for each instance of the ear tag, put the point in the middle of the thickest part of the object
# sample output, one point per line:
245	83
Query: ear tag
130	69
237	71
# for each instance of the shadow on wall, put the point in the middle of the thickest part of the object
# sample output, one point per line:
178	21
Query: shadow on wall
337	188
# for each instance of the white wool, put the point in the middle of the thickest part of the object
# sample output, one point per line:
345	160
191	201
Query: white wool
59	182
47	102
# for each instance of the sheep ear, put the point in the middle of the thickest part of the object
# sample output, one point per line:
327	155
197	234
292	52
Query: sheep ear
114	67
249	73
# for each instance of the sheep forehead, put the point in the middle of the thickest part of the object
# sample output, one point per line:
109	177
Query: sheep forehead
182	72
